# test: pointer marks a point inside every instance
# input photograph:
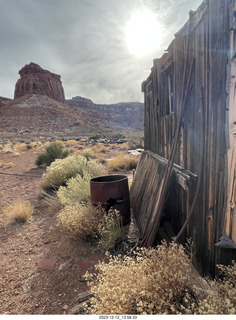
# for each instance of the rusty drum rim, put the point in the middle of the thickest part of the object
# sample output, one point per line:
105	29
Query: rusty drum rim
100	178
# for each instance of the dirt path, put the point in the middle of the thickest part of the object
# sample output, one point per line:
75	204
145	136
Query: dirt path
41	268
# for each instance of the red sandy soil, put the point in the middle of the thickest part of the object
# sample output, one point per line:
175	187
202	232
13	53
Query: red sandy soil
41	267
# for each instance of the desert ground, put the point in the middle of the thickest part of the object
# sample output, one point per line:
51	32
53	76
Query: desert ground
41	267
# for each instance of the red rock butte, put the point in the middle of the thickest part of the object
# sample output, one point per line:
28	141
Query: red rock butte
34	79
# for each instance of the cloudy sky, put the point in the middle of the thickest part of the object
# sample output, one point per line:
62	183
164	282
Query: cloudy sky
103	49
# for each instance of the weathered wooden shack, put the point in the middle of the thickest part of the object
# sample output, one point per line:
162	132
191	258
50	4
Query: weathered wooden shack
186	176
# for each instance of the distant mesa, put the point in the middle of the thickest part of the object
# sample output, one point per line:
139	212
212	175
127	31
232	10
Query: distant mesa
35	80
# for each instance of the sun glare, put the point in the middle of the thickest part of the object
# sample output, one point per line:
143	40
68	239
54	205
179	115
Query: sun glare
143	33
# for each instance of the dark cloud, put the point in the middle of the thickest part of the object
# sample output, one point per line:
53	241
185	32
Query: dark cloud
84	42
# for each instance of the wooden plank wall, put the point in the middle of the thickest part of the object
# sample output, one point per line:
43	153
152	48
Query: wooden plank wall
230	216
204	38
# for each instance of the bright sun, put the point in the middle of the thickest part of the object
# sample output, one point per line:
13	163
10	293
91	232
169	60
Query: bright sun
143	33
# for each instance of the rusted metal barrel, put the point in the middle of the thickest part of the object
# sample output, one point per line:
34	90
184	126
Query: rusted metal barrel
112	191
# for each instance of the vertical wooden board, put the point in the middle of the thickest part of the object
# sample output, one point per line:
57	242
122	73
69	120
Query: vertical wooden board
230	216
145	190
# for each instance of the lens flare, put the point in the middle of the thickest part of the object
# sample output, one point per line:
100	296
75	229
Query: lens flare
143	33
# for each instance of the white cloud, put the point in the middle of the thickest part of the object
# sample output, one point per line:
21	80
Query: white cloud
84	42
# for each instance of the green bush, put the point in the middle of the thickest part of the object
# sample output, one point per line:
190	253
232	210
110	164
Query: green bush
53	151
61	170
118	136
96	136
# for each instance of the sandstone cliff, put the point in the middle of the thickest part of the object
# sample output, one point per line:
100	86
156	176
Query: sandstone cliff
34	79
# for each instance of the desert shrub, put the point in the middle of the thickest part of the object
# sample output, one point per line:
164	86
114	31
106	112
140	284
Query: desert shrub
152	281
118	136
88	154
18	211
77	190
61	142
8	147
136	142
80	220
71	142
83	219
123	162
124	146
222	298
53	151
156	281
61	170
101	158
96	136
110	229
113	146
29	145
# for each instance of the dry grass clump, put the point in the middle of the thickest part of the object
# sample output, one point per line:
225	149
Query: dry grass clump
124	146
123	162
9	165
100	148
80	220
18	211
153	281
71	142
8	147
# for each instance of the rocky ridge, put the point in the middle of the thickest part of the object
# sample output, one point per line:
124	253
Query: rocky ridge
126	114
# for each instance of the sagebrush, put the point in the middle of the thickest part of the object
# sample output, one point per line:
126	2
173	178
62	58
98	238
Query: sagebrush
61	170
76	191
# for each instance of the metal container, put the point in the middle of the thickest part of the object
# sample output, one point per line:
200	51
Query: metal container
112	191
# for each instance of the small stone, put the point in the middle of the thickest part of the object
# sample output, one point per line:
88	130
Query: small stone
65	307
63	266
